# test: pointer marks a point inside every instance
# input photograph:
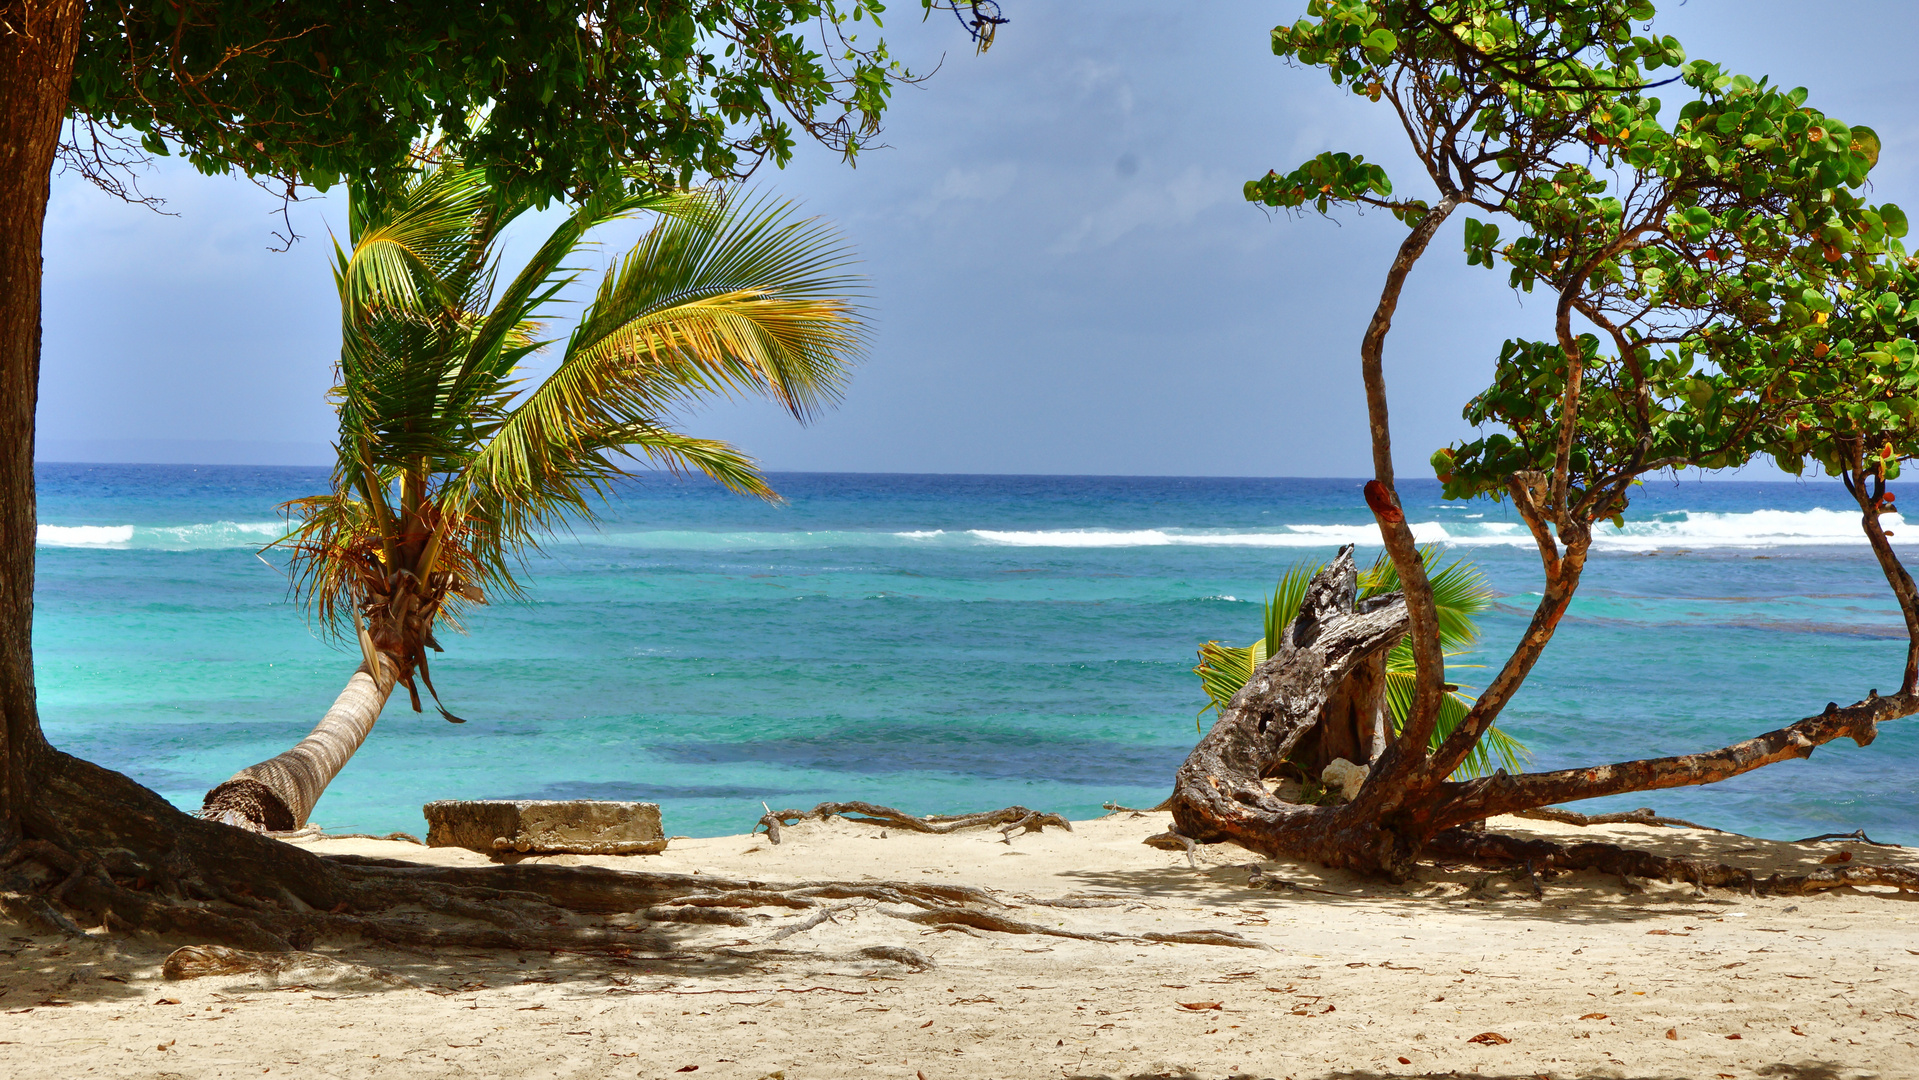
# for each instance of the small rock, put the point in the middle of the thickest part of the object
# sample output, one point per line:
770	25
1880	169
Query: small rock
1347	777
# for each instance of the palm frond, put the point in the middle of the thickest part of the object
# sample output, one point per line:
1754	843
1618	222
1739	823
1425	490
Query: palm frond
1460	593
1223	670
1288	595
401	258
717	299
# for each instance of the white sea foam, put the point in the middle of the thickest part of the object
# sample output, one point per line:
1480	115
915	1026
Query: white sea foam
84	535
1758	528
1295	536
200	537
1678	529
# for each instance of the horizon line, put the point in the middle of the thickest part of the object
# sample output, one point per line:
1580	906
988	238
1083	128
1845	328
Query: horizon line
680	477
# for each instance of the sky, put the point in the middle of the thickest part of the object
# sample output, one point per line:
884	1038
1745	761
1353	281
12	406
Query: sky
1063	275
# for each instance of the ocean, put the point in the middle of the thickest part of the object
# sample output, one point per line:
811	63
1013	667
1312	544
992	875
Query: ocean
940	643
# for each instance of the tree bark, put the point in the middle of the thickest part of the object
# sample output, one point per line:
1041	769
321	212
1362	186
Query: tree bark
37	43
1326	660
278	794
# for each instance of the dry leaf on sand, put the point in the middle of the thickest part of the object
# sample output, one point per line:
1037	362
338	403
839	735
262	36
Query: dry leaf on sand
1489	1038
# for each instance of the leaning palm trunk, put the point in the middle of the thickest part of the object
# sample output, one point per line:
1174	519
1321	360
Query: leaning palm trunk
278	794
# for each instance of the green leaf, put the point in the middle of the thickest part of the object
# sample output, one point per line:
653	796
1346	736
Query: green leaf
1379	45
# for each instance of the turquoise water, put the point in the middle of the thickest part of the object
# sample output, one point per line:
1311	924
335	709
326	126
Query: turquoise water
938	643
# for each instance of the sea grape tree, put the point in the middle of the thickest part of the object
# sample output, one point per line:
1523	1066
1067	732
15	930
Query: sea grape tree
1700	268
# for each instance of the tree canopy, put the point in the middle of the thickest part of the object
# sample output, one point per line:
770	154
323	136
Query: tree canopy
1722	288
577	95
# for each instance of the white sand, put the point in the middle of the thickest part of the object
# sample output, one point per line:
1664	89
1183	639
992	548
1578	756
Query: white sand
1594	981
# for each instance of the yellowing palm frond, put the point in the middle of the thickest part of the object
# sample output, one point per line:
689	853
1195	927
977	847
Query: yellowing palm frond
720	298
450	469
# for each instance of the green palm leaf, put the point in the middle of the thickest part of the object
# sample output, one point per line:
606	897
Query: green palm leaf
451	468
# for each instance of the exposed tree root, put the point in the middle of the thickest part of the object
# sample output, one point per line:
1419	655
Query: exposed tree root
986	920
200	961
1012	819
149	868
1494	849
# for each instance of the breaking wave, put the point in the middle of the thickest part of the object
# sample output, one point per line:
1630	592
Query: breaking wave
1679	529
202	537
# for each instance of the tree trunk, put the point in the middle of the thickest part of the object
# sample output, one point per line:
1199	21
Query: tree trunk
278	794
37	43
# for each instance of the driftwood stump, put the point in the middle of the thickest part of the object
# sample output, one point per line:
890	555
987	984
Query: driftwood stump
1317	697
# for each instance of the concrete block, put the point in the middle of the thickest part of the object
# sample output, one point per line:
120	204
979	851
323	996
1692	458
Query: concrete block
535	827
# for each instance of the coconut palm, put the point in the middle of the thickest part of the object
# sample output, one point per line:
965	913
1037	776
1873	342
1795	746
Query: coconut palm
1460	593
452	467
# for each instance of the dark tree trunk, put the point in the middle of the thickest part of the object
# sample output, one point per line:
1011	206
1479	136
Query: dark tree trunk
37	43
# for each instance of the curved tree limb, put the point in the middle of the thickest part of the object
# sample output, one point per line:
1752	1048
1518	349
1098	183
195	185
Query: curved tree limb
1501	793
1429	685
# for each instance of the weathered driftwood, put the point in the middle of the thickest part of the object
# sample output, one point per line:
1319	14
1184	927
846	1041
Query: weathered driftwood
1010	820
546	827
1322	673
1328	662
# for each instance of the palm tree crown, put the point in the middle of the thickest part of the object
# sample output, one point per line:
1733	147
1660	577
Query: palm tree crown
452	465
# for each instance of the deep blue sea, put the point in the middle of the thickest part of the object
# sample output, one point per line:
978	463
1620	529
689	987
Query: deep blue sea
938	643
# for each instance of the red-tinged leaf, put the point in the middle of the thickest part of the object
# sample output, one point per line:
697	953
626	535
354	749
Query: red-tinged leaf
1405	1061
1201	1006
1489	1038
1735	1035
687	1068
1593	1016
1837	857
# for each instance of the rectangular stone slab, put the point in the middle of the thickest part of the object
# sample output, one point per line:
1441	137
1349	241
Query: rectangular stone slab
538	827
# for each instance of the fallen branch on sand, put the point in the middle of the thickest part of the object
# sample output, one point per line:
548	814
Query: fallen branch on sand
1012	819
1856	834
1642	816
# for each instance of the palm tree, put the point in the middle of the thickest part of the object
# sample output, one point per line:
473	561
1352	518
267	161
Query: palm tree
451	469
1460	593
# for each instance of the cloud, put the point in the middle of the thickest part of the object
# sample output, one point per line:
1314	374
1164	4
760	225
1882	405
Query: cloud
1169	203
985	183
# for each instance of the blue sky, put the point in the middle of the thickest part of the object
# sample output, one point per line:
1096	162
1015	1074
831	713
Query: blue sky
1064	276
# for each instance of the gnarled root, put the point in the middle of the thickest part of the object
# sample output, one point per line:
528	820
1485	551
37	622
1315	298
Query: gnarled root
1010	820
154	869
1494	849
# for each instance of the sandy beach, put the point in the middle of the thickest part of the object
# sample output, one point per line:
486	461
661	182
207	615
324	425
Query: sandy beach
1459	972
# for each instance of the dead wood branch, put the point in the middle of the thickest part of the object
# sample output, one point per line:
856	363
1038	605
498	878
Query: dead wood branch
1642	816
1013	818
1856	834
